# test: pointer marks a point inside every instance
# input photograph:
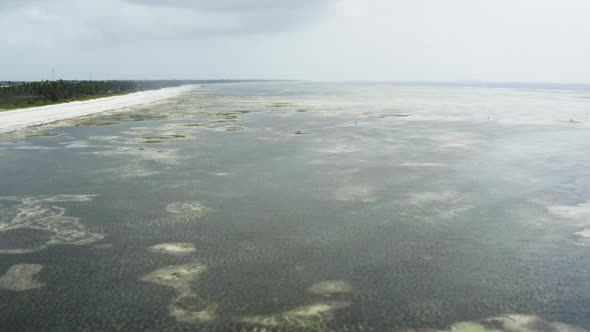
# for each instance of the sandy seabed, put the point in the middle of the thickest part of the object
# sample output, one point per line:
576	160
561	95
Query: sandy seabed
21	118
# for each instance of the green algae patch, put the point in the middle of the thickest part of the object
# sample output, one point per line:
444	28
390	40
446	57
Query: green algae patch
119	117
95	122
226	116
231	115
27	133
164	137
21	277
42	134
9	137
161	138
383	116
281	105
137	117
194	125
570	121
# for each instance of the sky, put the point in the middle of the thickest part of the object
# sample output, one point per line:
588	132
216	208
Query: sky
325	40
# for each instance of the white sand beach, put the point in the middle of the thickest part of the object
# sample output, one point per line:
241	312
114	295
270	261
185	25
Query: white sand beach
21	118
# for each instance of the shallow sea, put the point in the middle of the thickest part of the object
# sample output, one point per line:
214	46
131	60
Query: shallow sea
298	206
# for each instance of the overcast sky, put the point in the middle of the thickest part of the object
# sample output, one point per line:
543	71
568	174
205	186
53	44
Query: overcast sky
489	40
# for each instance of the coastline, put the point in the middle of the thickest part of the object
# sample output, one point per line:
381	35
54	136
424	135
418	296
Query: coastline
26	117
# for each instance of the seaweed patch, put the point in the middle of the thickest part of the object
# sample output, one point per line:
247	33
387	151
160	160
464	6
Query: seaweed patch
310	317
196	209
508	323
41	213
330	287
359	192
574	212
21	277
185	307
444	205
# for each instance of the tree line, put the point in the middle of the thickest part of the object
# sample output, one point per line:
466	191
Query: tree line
25	94
59	90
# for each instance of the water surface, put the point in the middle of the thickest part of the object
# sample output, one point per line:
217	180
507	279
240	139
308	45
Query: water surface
302	207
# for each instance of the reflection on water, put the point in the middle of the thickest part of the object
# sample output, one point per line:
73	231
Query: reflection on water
302	207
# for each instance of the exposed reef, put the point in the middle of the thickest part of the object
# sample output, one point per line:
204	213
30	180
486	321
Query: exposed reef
176	249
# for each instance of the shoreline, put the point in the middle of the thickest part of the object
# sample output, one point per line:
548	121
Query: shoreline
14	120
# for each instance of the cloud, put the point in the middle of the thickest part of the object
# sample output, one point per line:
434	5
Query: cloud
78	23
501	40
236	5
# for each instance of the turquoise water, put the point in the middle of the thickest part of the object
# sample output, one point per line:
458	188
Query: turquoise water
302	207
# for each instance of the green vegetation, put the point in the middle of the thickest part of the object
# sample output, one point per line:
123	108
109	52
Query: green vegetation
14	95
7	104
